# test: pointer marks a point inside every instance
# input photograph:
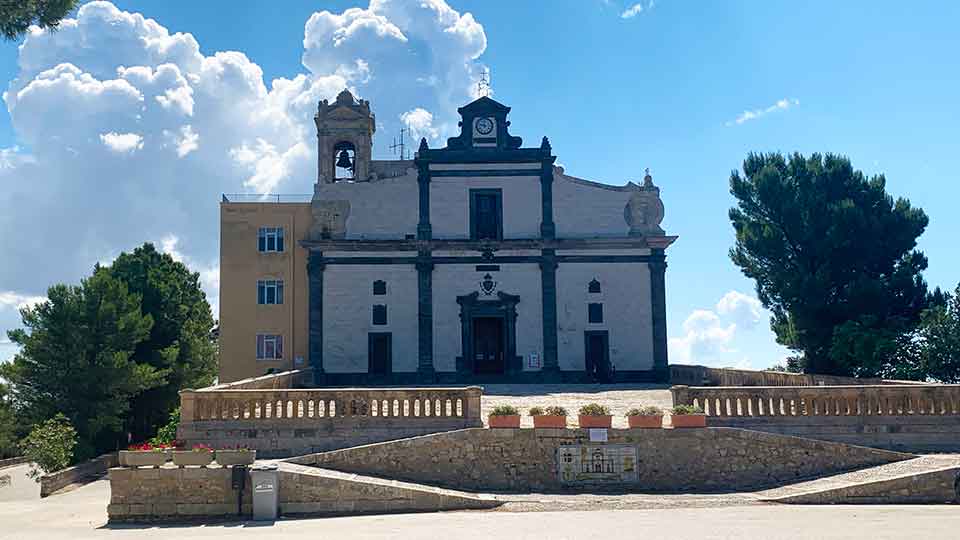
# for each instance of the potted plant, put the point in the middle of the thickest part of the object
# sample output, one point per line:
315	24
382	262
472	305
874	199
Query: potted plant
241	455
504	416
645	417
687	416
141	455
201	455
594	415
551	417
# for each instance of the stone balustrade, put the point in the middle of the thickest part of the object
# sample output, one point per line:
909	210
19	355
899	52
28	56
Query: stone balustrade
794	401
282	422
694	375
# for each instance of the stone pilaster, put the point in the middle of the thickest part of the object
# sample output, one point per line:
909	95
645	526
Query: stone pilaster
658	301
548	281
425	368
315	268
424	229
548	229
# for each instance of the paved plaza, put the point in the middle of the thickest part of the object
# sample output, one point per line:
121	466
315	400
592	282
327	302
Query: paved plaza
81	514
619	398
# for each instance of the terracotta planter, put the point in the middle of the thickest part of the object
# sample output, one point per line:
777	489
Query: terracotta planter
688	420
143	458
183	458
229	458
510	421
648	421
549	421
604	421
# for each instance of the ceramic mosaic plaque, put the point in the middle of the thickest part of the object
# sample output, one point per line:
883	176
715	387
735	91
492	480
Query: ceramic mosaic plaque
597	464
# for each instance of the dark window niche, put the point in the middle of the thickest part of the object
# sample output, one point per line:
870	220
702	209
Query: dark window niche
379	287
486	214
379	314
594	286
595	313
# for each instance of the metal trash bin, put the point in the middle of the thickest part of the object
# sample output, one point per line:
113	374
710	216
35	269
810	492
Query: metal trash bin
266	491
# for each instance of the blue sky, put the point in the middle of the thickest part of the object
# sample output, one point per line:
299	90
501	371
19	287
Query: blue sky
684	88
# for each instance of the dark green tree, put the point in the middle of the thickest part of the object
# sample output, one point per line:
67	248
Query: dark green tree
76	357
50	446
9	427
179	343
834	259
16	16
938	341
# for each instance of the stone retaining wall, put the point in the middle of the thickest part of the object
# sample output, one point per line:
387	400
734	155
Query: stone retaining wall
84	472
935	487
693	375
668	460
10	462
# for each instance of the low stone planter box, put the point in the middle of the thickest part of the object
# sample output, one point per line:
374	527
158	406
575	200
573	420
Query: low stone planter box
599	421
646	422
143	458
688	420
184	458
504	421
230	458
549	421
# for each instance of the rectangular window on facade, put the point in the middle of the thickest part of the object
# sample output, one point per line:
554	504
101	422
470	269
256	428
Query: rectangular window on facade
269	347
270	291
595	313
270	239
486	214
379	314
379	287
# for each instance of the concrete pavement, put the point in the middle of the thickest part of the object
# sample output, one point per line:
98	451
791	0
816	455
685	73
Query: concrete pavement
15	485
81	514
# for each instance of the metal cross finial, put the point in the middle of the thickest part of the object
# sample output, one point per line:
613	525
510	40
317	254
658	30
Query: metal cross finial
483	85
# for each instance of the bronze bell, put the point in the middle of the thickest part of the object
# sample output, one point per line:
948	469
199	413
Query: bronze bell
343	160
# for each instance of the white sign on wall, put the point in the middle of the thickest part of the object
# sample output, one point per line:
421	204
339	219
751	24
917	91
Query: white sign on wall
534	361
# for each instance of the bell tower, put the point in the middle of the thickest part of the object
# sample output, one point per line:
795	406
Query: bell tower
345	139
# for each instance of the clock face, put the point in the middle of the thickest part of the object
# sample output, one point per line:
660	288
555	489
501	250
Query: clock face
484	126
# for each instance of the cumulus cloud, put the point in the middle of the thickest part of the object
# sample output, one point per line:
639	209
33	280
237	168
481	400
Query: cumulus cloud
122	142
709	334
131	132
10	299
781	105
632	11
420	123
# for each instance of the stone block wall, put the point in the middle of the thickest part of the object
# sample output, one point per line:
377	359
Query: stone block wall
668	460
83	472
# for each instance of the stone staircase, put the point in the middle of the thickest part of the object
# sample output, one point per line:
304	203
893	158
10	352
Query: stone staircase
928	479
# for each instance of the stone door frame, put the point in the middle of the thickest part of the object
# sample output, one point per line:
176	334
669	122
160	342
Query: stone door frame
503	307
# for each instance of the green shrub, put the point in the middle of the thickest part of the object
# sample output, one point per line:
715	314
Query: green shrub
594	409
167	433
649	410
555	410
50	446
686	409
504	410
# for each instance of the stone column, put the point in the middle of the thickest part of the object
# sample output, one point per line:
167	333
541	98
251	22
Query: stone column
658	301
315	268
548	287
547	228
424	229
425	369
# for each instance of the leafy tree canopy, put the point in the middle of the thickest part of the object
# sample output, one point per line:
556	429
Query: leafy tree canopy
9	427
77	357
16	16
834	259
179	343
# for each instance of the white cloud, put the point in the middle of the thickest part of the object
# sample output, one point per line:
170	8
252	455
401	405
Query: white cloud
122	142
745	310
209	273
632	11
115	105
709	335
420	123
12	299
781	105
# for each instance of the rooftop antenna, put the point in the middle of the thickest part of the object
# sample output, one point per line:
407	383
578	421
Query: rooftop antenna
400	145
483	85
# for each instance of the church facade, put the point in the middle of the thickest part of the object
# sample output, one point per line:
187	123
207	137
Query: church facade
478	262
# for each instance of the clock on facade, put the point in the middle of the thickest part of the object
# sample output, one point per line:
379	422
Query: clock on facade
484	126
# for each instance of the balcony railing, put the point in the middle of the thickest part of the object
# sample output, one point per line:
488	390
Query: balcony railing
266	198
